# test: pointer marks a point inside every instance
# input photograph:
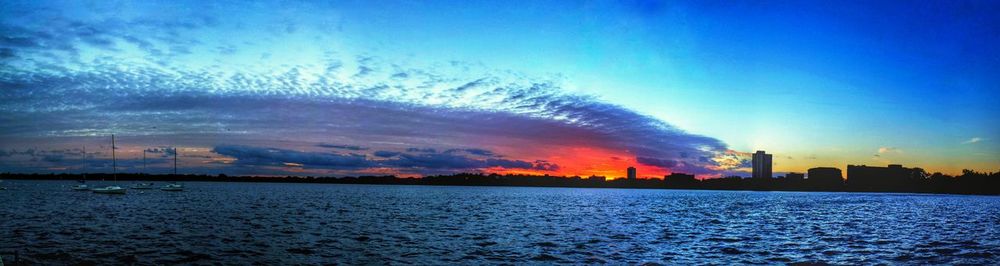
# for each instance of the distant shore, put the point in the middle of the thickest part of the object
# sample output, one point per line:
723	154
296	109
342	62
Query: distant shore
969	183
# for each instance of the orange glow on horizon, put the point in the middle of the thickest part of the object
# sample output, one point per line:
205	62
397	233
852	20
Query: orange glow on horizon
588	161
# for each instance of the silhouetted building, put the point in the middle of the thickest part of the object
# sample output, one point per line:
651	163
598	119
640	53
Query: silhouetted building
826	173
679	177
631	173
795	176
893	177
595	178
825	178
680	180
761	165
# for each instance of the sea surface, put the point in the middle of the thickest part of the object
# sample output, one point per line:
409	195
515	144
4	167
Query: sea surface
264	223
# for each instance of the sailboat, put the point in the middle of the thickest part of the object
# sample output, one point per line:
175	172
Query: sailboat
173	186
83	183
144	185
112	189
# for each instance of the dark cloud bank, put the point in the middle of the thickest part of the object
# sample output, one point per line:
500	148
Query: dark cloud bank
417	162
61	106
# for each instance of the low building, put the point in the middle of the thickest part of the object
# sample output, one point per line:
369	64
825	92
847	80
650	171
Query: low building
826	173
679	177
891	177
680	180
596	178
825	178
795	176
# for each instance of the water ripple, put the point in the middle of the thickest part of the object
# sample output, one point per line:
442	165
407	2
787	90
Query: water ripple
47	223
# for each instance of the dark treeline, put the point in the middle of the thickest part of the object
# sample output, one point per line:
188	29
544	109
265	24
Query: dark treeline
969	182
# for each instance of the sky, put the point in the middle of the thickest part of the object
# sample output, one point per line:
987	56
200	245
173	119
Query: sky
416	88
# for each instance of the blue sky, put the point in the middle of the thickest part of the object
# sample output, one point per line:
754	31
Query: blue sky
670	86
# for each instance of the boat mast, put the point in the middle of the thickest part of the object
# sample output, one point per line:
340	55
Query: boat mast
143	161
84	162
114	160
175	162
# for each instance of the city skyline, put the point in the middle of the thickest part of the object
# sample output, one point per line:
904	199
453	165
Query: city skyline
168	155
351	89
533	132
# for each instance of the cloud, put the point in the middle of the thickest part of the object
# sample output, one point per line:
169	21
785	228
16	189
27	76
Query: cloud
480	152
343	147
53	158
885	154
884	150
657	162
166	151
973	140
442	161
274	156
15	152
407	162
544	165
69	160
453	161
172	83
386	154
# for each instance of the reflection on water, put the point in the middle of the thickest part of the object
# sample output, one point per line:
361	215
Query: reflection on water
241	223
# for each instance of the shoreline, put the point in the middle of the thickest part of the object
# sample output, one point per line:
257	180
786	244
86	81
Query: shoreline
990	188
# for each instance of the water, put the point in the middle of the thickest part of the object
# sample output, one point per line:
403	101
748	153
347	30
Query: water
245	223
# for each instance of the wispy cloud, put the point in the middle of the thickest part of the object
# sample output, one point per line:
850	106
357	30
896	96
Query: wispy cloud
973	140
885	150
280	157
343	147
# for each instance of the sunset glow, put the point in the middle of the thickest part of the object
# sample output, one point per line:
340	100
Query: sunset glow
396	89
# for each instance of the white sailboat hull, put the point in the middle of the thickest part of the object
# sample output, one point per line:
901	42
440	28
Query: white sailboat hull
143	186
173	187
109	190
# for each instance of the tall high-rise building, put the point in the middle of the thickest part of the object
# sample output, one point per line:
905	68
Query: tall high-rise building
761	165
631	173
